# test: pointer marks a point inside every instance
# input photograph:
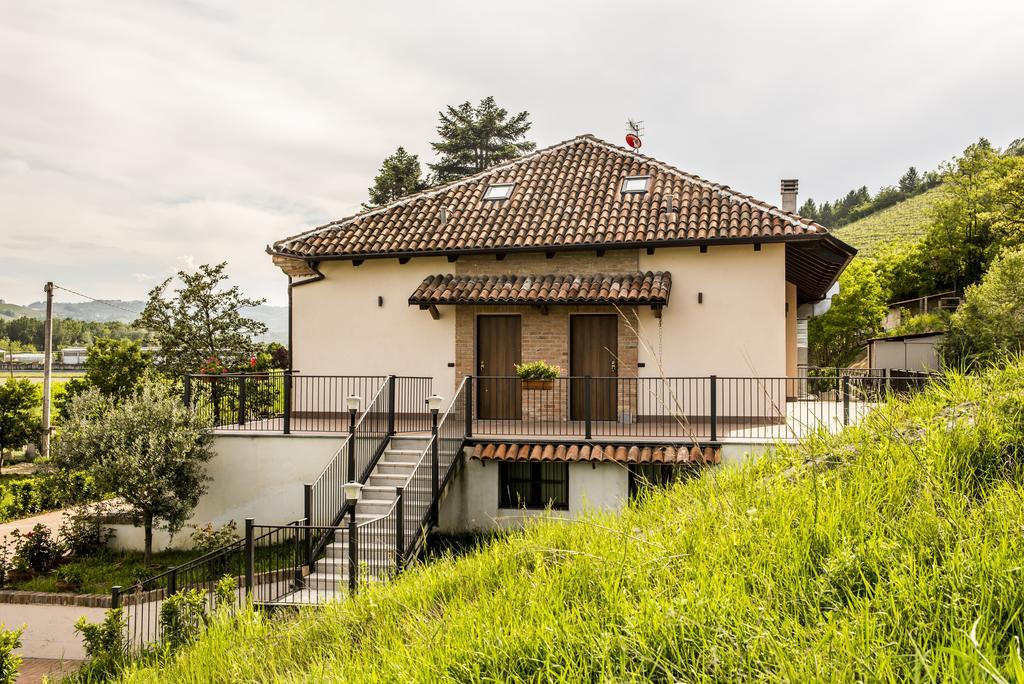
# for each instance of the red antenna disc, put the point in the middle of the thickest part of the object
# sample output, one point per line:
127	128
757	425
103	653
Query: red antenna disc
633	141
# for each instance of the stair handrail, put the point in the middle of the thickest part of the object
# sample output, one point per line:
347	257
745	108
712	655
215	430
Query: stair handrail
412	545
333	476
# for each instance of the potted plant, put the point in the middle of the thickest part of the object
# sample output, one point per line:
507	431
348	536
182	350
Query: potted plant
537	375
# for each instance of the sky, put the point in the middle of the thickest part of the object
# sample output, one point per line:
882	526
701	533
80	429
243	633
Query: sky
140	137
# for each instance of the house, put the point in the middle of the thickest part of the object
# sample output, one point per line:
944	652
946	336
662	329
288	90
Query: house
668	302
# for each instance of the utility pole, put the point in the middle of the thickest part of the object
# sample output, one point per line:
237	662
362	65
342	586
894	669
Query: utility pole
47	366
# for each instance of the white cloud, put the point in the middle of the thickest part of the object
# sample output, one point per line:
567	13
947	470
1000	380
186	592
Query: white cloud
136	130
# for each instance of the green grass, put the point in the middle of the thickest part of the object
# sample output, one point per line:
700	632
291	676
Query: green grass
890	552
97	574
907	221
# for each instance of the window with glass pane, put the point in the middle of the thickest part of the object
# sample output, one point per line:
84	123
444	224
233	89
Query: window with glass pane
635	184
498	191
646	475
533	485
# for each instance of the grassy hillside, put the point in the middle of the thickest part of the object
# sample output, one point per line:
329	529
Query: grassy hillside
891	552
15	311
907	220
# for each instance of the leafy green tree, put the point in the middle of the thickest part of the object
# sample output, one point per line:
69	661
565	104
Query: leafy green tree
399	176
202	320
476	138
980	213
809	210
117	367
857	312
989	325
21	404
910	181
149	450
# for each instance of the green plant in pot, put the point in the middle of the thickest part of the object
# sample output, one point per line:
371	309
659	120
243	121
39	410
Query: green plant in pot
537	374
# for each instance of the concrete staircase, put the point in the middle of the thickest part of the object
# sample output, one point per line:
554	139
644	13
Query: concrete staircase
377	558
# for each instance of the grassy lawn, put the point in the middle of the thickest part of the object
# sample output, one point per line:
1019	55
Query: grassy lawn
97	574
905	222
890	552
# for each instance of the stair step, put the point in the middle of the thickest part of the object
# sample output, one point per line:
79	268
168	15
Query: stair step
409	443
402	455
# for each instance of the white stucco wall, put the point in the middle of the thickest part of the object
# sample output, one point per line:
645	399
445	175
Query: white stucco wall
339	329
726	316
471	503
251	477
740	327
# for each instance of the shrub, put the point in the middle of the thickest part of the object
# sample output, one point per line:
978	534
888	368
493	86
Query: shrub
9	660
225	595
988	325
25	498
105	644
182	618
6	560
58	489
537	370
83	533
36	550
208	537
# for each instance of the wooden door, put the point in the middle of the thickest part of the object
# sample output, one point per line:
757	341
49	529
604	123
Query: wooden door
594	351
498	350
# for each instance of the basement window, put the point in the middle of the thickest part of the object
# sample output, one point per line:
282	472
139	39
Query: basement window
498	191
533	485
635	184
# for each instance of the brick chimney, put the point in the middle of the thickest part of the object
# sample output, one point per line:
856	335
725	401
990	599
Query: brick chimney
789	189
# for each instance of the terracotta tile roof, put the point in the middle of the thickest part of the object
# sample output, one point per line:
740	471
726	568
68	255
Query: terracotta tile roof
598	288
617	453
564	196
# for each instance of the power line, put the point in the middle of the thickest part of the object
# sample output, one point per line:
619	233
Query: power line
98	301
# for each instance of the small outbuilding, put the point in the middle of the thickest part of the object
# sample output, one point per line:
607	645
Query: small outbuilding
913	352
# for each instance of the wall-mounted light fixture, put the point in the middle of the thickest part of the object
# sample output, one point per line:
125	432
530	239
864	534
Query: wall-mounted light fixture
380	300
700	297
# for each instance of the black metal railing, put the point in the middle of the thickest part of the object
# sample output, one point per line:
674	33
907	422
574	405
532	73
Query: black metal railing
276	401
707	408
141	601
287	401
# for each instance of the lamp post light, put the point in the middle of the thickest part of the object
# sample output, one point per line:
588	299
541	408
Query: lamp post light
352	492
353	403
434	404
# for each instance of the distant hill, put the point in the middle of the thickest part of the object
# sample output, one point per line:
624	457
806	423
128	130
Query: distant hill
275	317
104	311
907	221
15	311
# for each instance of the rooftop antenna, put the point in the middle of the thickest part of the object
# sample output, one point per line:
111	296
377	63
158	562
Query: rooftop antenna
634	132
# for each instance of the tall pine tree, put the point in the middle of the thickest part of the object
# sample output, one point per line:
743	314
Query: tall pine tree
476	138
399	176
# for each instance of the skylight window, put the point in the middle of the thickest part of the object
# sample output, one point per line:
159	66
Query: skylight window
635	184
498	191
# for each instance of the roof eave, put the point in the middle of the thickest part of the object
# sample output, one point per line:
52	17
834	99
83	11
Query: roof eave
640	244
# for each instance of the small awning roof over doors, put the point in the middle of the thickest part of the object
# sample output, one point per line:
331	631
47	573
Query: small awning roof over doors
668	454
650	288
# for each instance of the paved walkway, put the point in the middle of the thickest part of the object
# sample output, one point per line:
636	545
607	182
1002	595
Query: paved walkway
33	670
52	519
